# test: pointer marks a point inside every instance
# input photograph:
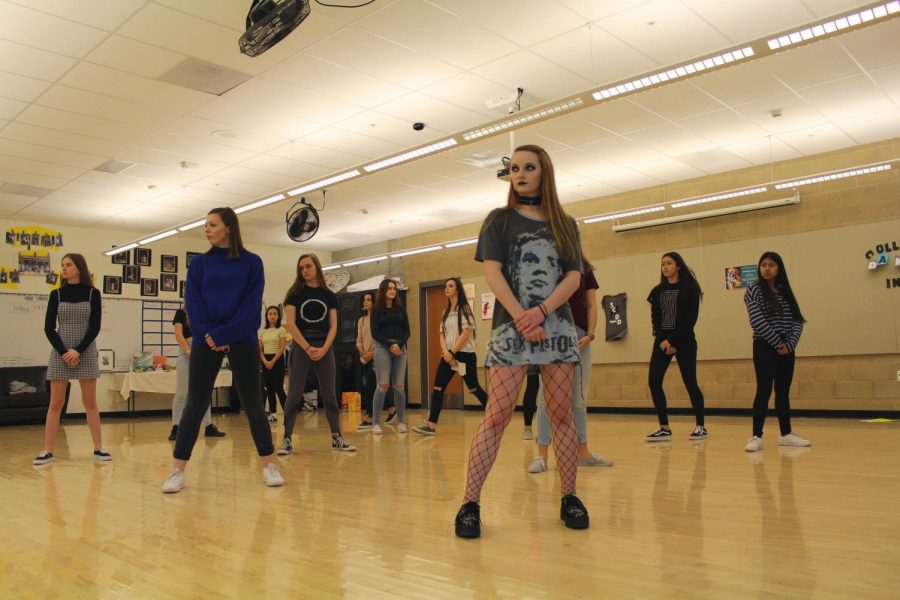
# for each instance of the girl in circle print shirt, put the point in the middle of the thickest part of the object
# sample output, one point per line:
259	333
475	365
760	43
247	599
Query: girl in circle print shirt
310	314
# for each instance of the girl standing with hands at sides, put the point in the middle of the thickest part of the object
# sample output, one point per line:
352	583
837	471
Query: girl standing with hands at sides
75	307
182	325
674	308
457	353
777	323
272	343
366	347
390	329
532	262
310	313
223	294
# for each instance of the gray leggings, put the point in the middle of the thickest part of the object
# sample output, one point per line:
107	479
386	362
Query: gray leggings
324	368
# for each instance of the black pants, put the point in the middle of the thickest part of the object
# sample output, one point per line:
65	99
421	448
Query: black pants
529	400
687	364
367	387
205	363
772	370
273	380
443	376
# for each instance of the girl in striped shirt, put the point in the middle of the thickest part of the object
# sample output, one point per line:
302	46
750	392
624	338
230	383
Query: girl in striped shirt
777	323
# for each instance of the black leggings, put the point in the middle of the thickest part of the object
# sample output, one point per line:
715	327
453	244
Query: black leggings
687	364
205	363
443	376
772	369
529	400
273	380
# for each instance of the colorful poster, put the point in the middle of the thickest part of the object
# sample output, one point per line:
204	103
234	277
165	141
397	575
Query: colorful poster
487	306
740	277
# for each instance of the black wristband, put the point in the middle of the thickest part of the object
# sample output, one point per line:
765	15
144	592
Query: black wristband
544	310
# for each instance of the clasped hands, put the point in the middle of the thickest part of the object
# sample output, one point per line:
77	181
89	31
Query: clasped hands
213	347
528	323
71	357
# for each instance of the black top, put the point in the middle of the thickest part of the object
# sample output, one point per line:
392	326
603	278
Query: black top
181	317
72	293
673	313
313	305
390	327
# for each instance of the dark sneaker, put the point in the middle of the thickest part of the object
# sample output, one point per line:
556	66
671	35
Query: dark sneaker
365	426
468	521
391	417
212	431
699	433
660	435
573	512
285	448
102	454
339	444
424	429
174	433
43	458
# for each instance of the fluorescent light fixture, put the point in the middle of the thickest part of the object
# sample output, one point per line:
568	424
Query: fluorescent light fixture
324	182
332	267
416	251
412	154
846	22
526	119
193	225
716	212
158	236
662	77
722	196
120	249
461	243
833	175
630	213
363	261
259	203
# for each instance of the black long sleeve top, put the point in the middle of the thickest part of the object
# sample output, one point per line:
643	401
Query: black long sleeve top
390	327
674	314
73	293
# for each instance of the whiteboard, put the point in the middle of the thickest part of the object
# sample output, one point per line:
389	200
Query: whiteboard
25	344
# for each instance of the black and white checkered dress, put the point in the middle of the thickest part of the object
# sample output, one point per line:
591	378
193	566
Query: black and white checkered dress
74	320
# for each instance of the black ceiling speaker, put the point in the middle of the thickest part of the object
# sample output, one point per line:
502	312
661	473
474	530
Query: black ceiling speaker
269	22
302	221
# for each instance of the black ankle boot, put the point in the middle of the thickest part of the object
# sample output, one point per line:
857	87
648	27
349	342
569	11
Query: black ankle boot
573	512
468	521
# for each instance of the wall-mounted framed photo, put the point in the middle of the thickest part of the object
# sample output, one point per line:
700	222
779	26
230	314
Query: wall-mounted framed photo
188	257
131	274
169	264
168	282
52	278
149	287
142	257
106	360
122	258
112	284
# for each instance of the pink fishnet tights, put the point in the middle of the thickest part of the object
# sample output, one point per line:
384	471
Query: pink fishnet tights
505	383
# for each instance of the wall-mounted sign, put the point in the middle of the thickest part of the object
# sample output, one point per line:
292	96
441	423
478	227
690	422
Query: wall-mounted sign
741	277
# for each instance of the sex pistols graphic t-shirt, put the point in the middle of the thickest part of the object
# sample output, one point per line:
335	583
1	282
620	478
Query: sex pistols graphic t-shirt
532	268
313	304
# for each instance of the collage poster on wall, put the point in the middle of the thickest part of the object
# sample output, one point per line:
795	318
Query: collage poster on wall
740	277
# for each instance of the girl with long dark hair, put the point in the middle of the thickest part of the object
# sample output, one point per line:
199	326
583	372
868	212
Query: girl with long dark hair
71	325
532	262
365	344
457	337
777	323
272	344
310	312
223	294
390	330
674	308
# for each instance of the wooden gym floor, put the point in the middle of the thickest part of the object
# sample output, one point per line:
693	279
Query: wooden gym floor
672	520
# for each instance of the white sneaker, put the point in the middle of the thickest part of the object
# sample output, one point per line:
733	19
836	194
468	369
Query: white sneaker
271	475
527	434
401	428
754	445
538	465
594	460
174	483
377	430
793	440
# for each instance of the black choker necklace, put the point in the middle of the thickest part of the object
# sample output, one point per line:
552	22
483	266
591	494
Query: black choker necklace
530	201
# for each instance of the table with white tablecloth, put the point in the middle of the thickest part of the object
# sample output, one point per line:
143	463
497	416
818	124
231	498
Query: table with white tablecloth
160	382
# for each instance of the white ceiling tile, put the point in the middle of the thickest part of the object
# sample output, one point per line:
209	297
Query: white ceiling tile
96	13
828	8
317	155
569	130
295	170
875	46
816	139
18	87
194	150
629	179
32	62
391	129
792	67
15	148
888	80
239	188
103	80
468	91
32	179
582	163
61	36
743	23
433	112
620	116
723	127
671	140
135	57
167	160
104	129
763	151
267	180
873	127
845	98
621	151
268	95
29	165
526	22
250	115
9	109
202	130
668	170
57	139
541	78
73	100
144	175
437	33
368	146
795	113
677	101
741	84
714	160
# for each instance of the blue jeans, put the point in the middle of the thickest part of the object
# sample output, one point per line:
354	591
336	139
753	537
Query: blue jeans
580	385
389	368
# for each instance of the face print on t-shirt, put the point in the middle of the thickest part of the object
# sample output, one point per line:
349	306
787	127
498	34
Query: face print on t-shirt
535	268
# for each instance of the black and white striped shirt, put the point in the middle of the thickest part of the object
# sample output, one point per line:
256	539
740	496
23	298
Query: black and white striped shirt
774	328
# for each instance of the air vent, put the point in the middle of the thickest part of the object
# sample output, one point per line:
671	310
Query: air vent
205	76
114	166
18	189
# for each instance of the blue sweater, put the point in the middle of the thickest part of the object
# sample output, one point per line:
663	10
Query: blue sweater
224	297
